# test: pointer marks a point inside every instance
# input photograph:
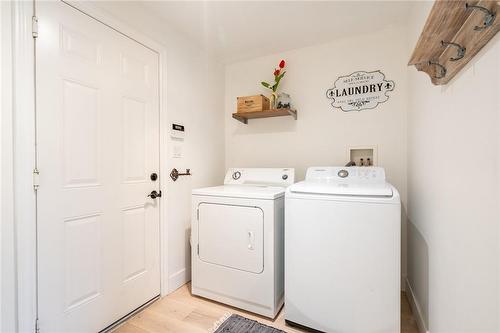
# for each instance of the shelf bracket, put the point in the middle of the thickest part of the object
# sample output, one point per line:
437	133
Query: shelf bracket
243	120
293	113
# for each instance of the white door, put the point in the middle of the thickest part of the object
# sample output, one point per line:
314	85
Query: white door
98	143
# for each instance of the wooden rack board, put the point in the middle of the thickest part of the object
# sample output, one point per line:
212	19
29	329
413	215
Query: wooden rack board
452	21
244	116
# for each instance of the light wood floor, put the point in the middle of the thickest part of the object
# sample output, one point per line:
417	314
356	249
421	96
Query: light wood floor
181	312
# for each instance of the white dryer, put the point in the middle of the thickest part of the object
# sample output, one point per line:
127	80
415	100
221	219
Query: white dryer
342	251
237	240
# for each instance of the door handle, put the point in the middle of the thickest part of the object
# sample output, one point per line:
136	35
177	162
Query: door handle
154	195
251	240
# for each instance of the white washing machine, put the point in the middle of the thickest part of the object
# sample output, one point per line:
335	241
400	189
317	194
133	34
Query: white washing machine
342	251
237	240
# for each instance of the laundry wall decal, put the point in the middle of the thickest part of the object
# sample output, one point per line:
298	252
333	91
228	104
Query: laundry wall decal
360	91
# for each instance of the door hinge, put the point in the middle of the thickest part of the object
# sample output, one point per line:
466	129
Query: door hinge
36	179
198	249
198	214
37	326
34	27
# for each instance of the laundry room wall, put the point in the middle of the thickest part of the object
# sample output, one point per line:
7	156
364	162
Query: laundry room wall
453	191
195	94
321	135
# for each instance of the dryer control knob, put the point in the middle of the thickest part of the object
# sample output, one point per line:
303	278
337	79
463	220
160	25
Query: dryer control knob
284	177
343	173
236	175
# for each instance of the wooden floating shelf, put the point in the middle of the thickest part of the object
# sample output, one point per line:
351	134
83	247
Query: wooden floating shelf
244	116
463	23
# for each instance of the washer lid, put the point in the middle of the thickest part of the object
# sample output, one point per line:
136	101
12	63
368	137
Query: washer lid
343	189
242	191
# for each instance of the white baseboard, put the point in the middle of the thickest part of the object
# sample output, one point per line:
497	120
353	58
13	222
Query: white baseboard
178	279
415	308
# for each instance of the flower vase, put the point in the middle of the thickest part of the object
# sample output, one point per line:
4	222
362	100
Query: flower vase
272	101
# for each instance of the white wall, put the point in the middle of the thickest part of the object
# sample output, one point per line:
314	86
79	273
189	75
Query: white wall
195	93
453	191
321	135
195	98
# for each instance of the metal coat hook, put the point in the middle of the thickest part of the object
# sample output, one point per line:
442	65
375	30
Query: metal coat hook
443	69
460	50
489	16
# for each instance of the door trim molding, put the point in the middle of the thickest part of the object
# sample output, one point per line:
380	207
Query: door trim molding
24	161
24	150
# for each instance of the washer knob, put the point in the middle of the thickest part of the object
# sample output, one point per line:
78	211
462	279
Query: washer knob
284	177
236	175
343	173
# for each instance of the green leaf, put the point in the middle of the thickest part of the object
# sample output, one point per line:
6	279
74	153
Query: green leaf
278	79
265	84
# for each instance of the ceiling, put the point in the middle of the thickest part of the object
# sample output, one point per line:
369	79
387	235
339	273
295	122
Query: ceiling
238	30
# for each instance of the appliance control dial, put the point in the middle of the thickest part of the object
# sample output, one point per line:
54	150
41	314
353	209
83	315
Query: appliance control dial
343	173
284	177
236	175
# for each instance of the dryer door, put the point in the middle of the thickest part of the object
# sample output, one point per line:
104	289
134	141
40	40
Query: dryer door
231	236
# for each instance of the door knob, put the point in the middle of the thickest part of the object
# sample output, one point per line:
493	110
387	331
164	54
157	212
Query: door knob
154	195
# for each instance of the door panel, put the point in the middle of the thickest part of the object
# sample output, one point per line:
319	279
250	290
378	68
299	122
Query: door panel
134	242
80	134
82	257
134	140
98	140
231	236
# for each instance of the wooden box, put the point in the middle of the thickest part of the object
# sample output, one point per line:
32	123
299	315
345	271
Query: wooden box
253	103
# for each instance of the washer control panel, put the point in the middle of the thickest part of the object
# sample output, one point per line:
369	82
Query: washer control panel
346	174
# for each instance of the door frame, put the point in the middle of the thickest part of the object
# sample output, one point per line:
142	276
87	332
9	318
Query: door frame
24	150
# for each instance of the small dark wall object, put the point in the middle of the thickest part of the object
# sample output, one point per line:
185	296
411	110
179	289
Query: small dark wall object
174	174
154	176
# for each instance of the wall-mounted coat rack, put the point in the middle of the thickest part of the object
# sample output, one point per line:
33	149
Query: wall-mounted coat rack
174	174
453	33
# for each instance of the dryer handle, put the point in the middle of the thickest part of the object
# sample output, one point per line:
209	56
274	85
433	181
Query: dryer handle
251	240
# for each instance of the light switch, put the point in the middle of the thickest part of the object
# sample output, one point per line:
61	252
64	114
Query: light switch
177	151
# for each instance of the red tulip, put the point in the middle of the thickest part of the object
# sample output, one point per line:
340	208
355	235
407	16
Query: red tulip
282	63
276	72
